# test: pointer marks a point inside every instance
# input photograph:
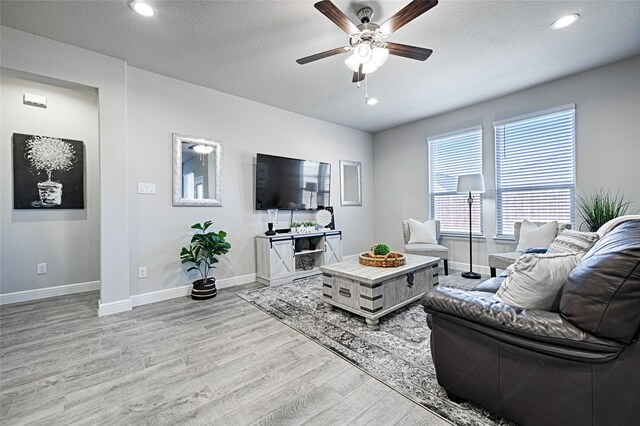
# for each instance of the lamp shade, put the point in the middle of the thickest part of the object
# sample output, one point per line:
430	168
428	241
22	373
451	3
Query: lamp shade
311	187
471	183
352	63
379	56
362	53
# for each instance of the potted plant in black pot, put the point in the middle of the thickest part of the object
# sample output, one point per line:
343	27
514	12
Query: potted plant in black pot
202	252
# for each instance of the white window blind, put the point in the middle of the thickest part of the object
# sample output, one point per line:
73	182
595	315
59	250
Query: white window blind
535	168
452	155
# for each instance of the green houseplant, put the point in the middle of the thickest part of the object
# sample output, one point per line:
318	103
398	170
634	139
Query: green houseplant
202	253
600	206
381	249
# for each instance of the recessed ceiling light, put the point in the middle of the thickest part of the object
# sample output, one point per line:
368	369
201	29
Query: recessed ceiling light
143	8
371	101
565	21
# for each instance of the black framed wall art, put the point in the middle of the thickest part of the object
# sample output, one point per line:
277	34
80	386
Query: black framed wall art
48	172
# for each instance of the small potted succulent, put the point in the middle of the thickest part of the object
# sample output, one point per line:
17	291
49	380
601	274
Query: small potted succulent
380	249
202	253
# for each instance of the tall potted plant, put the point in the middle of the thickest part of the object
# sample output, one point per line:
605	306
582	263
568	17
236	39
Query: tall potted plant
600	206
202	253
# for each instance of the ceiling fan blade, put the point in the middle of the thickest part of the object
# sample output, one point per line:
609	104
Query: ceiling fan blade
412	52
358	75
329	10
322	55
406	15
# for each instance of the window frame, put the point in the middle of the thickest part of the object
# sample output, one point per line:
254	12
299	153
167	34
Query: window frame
500	234
478	199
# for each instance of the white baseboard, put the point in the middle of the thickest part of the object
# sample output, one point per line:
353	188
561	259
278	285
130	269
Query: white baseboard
172	293
113	307
481	269
43	293
120	305
160	295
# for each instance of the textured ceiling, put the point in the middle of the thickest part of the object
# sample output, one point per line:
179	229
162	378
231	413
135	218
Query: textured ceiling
482	49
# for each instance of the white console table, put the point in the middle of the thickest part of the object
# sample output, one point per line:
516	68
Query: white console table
282	258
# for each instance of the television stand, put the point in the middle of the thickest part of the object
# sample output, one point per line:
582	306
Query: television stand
283	258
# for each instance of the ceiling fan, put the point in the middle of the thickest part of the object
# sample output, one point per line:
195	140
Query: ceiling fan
367	40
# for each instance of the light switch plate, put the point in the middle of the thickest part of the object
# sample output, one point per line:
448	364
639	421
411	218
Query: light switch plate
146	188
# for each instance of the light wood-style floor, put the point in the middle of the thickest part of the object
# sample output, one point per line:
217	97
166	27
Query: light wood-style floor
217	362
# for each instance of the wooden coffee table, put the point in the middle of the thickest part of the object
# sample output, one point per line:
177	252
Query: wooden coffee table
373	292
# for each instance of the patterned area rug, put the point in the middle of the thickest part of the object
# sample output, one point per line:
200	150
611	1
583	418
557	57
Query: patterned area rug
398	354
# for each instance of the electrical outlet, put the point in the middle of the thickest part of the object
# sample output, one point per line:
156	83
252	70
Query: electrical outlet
142	272
42	268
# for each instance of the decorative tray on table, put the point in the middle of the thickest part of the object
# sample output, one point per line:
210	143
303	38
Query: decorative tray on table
391	259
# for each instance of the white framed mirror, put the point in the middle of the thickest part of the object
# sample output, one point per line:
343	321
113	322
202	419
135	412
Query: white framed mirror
197	171
350	183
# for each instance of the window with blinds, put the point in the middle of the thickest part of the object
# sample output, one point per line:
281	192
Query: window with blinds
452	155
535	168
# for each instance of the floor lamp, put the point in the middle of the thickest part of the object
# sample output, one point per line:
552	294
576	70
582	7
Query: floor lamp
311	187
471	183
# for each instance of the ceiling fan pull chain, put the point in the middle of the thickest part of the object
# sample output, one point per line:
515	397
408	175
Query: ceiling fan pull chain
366	90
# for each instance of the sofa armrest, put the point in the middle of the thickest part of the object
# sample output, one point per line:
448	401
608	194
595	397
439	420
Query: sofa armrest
477	307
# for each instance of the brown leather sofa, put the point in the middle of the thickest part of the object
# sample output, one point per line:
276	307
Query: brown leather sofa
577	366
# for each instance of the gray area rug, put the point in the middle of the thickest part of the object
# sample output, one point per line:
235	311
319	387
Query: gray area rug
398	354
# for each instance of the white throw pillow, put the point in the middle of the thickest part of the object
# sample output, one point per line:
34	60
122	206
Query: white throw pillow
535	280
570	241
424	233
536	236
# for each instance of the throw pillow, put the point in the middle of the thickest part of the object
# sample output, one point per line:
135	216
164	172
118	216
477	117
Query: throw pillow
535	280
424	233
536	236
538	250
570	241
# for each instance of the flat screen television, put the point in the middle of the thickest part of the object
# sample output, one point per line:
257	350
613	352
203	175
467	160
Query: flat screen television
291	184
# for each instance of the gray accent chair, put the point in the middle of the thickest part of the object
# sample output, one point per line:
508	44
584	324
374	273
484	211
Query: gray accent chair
503	260
435	250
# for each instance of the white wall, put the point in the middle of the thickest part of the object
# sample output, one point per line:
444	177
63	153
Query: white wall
607	149
67	240
35	55
135	146
159	106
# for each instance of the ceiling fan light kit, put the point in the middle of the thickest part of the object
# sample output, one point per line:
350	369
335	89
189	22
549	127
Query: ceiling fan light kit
367	41
362	53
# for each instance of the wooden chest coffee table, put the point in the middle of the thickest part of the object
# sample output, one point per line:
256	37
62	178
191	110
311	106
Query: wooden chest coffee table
373	292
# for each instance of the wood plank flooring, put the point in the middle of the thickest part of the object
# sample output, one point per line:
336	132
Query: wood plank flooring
216	362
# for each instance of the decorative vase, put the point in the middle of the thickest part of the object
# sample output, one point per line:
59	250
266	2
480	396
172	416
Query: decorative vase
50	193
204	290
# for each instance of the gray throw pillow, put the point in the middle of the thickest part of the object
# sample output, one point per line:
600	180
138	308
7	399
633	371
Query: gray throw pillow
535	280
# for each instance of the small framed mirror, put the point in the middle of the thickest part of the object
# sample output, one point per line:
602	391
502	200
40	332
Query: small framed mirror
350	183
197	171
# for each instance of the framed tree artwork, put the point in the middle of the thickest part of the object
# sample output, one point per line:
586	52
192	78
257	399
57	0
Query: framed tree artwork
48	172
